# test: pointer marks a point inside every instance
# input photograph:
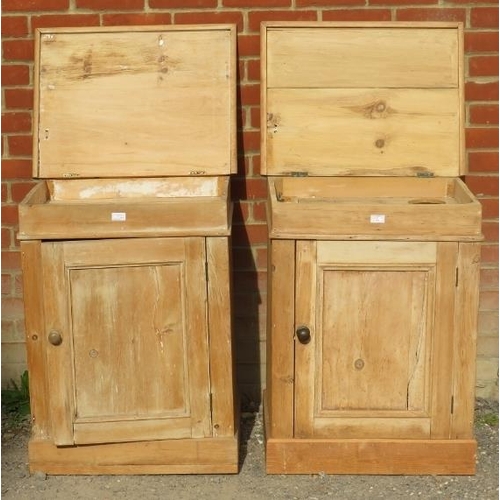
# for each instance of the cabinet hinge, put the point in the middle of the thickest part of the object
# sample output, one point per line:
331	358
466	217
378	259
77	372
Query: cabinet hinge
425	174
299	174
456	276
452	404
206	271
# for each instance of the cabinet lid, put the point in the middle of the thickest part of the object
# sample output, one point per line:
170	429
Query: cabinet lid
135	101
362	99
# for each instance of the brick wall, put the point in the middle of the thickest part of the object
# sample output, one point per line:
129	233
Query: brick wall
21	17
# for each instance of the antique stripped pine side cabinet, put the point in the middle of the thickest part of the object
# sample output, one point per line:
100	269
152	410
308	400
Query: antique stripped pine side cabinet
374	250
125	251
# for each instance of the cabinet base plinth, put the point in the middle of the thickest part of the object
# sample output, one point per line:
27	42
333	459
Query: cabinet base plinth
370	456
176	456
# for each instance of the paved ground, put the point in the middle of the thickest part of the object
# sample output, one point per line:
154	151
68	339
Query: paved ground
252	483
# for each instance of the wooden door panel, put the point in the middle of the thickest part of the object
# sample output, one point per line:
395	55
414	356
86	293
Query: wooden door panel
372	367
124	317
133	317
369	357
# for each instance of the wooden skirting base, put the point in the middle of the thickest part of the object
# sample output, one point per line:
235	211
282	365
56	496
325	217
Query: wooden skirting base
176	456
369	456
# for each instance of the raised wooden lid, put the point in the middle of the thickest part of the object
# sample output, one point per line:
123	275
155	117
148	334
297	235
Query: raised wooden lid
135	102
374	99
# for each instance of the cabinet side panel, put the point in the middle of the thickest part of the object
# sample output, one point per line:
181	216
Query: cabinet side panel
221	348
280	348
467	300
35	336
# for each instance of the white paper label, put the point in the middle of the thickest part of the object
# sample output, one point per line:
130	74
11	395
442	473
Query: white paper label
377	219
118	216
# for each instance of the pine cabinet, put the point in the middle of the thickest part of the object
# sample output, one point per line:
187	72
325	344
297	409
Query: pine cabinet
374	250
126	252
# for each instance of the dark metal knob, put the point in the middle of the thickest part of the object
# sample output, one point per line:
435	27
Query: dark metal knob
303	334
55	338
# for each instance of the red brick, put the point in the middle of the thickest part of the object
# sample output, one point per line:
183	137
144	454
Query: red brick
18	285
249	94
402	2
483	185
5	192
250	281
251	140
256	164
483	161
12	308
255	116
15	74
255	18
20	145
484	17
248	45
14	26
259	211
261	259
18	50
357	15
490	231
16	122
253	234
489	254
481	41
16	169
437	14
11	260
18	98
110	4
70	20
481	138
232	17
253	70
34	5
483	114
243	259
490	208
488	300
20	189
257	3
478	91
249	189
182	4
483	66
472	2
489	279
6	283
241	212
135	19
6	237
327	3
9	214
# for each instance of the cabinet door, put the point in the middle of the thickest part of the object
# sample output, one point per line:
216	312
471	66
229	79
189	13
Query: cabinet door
128	318
380	316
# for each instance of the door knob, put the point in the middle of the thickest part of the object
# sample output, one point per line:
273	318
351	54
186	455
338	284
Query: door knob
55	338
303	334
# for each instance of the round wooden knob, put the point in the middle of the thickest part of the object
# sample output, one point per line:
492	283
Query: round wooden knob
303	334
55	338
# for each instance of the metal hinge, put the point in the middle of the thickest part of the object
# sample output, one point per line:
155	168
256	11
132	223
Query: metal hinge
299	174
425	174
206	271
